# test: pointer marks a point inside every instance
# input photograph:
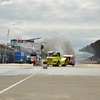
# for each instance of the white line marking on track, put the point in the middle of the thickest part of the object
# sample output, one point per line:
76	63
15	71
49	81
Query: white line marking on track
18	82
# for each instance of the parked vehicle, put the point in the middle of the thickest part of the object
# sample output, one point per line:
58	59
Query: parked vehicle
31	57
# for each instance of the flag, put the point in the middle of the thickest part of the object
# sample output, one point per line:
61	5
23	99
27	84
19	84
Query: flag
19	38
8	32
30	45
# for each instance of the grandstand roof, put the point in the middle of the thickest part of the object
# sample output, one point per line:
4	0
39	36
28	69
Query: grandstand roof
93	48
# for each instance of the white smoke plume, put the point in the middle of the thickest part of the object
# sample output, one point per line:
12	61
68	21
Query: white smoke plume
59	43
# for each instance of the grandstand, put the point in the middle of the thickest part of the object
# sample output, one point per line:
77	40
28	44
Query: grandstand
93	48
20	45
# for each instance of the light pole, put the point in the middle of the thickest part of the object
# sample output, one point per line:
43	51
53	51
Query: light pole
42	46
6	43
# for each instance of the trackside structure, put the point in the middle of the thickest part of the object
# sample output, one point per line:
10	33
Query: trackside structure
7	54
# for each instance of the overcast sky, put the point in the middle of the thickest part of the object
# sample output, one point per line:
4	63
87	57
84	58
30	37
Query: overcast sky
79	20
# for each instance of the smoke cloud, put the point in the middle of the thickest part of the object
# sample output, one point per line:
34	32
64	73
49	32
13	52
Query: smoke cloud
59	43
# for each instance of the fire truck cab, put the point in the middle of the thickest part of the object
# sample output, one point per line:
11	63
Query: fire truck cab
53	58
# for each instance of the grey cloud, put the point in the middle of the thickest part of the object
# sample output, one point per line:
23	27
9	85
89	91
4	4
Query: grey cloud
41	11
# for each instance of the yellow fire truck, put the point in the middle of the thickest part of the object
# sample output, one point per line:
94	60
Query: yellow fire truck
53	58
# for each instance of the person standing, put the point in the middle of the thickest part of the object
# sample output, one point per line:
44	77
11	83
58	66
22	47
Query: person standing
34	61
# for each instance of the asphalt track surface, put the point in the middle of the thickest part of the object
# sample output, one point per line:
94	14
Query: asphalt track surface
27	82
